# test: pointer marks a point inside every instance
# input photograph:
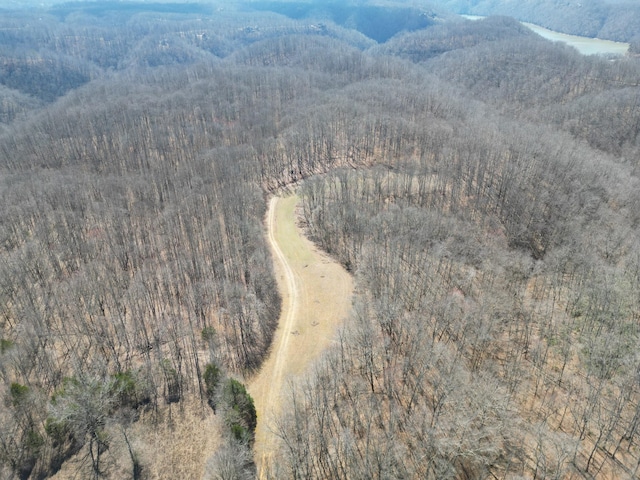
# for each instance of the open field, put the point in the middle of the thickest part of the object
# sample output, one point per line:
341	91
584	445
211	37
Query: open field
316	294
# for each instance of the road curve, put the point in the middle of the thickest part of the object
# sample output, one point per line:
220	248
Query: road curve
316	299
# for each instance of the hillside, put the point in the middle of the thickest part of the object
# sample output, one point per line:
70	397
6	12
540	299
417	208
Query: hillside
479	183
606	19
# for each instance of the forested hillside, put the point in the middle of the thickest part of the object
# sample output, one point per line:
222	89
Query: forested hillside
611	19
479	182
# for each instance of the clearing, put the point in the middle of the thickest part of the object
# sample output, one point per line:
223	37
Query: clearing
316	298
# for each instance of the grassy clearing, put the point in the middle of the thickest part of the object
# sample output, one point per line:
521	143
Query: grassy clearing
316	293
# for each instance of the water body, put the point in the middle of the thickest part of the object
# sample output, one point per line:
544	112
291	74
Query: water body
585	45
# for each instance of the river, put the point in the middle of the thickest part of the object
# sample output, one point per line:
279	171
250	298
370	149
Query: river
585	45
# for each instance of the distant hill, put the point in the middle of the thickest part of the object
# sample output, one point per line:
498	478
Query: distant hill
607	19
429	43
377	21
128	8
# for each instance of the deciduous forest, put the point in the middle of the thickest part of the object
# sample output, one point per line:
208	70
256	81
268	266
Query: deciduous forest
481	184
611	19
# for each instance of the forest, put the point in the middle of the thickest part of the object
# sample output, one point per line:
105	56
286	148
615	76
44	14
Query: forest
608	19
481	184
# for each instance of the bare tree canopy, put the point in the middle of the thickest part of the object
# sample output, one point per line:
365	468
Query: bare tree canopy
479	182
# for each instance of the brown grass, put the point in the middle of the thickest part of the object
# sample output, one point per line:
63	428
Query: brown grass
316	293
175	442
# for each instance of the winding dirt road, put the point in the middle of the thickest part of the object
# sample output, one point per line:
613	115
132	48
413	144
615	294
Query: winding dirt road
316	298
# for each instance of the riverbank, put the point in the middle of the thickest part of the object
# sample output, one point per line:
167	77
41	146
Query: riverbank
584	45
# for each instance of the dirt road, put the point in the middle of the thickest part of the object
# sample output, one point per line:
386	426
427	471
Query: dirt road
316	294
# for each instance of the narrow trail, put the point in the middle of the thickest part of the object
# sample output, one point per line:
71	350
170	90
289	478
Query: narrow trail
316	298
288	314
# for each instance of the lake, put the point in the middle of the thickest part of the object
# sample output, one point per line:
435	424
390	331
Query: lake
585	45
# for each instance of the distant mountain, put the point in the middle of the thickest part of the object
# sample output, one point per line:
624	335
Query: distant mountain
377	21
128	8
